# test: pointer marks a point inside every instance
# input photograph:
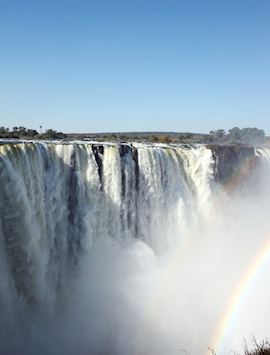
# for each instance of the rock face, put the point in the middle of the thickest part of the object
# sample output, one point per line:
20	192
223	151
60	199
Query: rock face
233	161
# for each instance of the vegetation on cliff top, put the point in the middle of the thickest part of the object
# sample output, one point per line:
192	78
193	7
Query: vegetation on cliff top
24	133
246	136
238	135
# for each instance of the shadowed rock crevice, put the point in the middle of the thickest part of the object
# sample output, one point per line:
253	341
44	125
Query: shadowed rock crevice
233	161
98	151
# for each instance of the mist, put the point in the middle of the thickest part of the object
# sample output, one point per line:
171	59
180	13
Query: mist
135	302
128	297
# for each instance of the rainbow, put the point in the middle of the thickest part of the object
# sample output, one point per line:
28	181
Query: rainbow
245	286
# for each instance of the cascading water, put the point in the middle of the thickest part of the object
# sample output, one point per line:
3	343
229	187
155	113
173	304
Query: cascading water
80	224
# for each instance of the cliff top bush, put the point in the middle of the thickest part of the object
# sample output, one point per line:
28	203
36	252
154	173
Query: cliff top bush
237	135
25	133
262	348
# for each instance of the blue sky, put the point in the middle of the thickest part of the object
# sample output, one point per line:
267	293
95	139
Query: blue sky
96	66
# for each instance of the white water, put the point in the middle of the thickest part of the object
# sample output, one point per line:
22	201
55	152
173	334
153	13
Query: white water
110	250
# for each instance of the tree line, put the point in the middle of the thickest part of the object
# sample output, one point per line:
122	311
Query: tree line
25	133
239	135
252	136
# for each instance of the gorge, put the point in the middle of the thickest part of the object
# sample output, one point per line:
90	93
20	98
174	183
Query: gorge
128	249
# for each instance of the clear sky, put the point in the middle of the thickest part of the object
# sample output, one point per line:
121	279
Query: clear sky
135	65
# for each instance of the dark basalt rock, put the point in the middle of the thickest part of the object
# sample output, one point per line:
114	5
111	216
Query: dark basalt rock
98	151
72	198
76	228
137	169
137	185
124	149
98	148
233	161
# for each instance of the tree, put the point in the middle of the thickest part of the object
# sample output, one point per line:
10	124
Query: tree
234	134
218	134
32	133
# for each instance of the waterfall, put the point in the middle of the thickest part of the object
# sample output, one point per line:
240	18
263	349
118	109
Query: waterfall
58	201
60	198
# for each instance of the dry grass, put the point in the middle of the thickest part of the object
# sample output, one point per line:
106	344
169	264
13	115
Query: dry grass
262	348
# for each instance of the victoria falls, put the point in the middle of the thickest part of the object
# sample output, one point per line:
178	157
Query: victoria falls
134	177
133	248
